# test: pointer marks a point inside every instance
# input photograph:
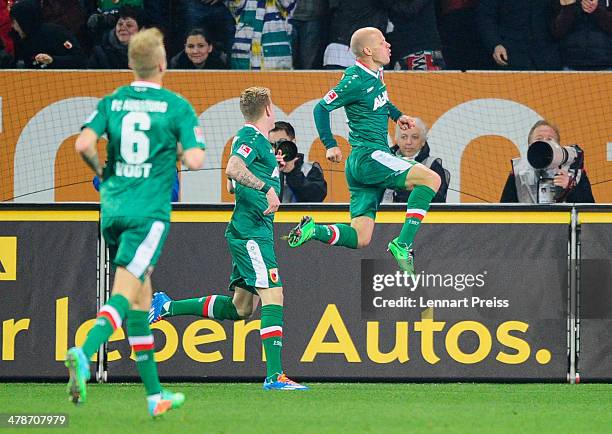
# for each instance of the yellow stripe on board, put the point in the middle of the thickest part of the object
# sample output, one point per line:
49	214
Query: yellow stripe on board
595	217
449	217
49	216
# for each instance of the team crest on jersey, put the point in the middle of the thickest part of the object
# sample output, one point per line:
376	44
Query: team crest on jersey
273	272
199	134
244	150
330	96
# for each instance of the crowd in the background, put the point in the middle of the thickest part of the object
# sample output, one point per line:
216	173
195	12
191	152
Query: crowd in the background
311	34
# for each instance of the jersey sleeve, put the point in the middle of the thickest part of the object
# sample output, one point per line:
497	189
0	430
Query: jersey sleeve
347	91
244	150
98	120
189	132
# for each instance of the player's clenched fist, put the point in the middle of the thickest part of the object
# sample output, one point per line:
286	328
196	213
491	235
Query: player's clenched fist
334	154
273	202
406	122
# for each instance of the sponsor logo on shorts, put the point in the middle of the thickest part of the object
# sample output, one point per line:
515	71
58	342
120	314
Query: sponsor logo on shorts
330	96
273	272
244	150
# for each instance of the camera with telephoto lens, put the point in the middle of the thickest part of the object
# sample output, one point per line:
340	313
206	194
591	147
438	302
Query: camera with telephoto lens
543	155
288	149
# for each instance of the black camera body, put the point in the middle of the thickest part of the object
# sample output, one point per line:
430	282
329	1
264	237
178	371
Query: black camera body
287	148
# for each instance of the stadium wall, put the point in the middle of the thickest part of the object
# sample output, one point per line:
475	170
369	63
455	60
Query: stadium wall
524	317
479	121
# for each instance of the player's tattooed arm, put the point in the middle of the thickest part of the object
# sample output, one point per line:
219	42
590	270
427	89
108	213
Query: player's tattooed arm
237	170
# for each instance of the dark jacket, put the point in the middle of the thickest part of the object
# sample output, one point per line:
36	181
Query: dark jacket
586	39
414	30
47	38
580	193
523	28
350	15
110	54
305	183
401	196
181	61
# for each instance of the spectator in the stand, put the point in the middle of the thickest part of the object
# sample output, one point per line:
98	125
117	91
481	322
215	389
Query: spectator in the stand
300	180
350	15
346	17
102	15
584	28
43	45
112	53
412	145
5	29
212	15
199	52
415	39
461	46
262	38
309	33
66	13
571	182
517	34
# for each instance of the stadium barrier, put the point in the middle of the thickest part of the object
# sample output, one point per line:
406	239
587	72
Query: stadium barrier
478	121
508	293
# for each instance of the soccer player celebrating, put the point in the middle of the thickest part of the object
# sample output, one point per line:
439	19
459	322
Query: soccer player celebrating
371	167
147	126
250	236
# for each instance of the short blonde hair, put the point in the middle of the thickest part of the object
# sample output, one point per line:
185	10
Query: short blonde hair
145	51
253	102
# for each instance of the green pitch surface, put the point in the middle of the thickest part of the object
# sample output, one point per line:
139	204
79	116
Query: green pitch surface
327	408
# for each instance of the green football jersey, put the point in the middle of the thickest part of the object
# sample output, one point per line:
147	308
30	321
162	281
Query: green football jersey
111	5
248	221
143	123
363	94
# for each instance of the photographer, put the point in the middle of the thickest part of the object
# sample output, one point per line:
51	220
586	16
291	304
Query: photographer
565	183
300	180
412	144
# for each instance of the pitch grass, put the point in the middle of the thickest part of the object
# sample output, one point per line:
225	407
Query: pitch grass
327	408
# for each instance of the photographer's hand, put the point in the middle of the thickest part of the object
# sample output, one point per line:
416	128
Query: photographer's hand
562	179
280	160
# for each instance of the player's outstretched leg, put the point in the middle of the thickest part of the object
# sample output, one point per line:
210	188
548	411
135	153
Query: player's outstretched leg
425	183
159	401
108	320
334	235
271	333
219	307
79	372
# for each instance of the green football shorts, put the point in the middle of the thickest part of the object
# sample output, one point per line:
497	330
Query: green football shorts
135	243
253	264
369	173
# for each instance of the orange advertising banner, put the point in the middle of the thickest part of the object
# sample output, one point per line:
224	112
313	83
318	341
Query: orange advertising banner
477	123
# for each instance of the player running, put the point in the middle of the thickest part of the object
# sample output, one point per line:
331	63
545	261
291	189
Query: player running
371	167
253	165
144	123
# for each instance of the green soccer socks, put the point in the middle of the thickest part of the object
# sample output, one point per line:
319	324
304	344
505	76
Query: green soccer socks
271	332
418	204
109	319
